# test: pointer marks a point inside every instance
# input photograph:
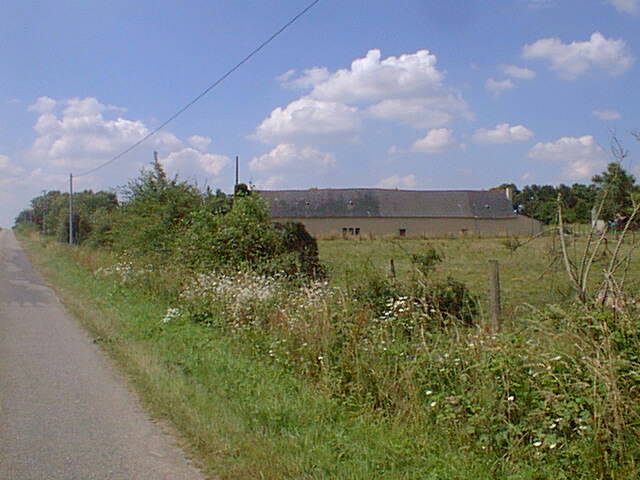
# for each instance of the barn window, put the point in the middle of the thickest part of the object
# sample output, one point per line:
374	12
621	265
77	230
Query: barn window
357	230
403	232
351	232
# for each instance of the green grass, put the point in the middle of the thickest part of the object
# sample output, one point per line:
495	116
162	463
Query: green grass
533	274
240	417
368	415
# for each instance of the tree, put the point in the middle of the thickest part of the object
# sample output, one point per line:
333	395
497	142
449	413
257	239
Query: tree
616	188
155	207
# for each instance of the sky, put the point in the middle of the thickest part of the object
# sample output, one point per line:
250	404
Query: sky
410	94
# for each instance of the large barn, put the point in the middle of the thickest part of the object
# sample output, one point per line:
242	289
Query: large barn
403	213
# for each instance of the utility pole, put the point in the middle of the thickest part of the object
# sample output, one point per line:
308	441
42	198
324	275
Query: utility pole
237	172
44	212
71	209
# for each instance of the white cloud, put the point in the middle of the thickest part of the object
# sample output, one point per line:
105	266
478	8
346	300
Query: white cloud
188	160
274	182
499	86
503	133
199	142
8	169
436	141
291	166
289	157
76	135
626	6
310	78
373	79
606	114
408	88
43	105
428	112
396	181
307	117
518	72
581	157
571	60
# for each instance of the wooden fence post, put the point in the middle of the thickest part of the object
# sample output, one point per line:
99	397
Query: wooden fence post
494	296
392	269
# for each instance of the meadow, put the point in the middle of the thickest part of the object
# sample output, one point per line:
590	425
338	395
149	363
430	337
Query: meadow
367	375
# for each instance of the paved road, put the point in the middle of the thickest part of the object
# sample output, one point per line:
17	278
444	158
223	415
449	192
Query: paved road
64	412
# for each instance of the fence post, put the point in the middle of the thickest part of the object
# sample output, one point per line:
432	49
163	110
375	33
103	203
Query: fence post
494	296
392	269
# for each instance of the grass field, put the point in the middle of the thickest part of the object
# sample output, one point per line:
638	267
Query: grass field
534	274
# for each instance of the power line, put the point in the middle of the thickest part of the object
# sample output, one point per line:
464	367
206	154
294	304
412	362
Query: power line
207	90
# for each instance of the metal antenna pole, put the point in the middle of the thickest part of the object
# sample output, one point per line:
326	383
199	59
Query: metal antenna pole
71	209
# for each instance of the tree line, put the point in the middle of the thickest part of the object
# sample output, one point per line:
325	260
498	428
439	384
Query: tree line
614	188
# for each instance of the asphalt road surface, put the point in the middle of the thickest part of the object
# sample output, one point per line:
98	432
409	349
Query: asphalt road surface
64	412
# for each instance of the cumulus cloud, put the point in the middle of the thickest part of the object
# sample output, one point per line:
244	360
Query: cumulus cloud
626	6
606	114
397	181
288	157
76	134
189	160
289	165
408	88
581	157
436	141
43	105
499	86
373	79
518	72
307	117
428	112
309	78
570	60
503	133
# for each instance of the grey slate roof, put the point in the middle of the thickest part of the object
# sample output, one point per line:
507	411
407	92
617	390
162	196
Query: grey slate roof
378	202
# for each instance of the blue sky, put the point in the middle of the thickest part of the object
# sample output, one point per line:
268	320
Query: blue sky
420	94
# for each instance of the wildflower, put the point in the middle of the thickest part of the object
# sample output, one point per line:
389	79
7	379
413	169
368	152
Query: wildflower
428	392
552	446
433	404
537	444
510	398
170	315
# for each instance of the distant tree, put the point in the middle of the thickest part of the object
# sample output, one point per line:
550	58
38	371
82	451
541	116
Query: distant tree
616	187
539	201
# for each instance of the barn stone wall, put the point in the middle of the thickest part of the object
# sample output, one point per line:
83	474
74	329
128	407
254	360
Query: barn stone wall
419	227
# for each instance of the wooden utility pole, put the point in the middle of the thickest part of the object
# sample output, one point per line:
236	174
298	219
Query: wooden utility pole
71	209
237	172
494	296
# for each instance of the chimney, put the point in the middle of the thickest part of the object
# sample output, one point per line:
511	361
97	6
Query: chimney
509	193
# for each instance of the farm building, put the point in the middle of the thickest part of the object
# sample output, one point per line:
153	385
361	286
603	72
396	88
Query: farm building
404	213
